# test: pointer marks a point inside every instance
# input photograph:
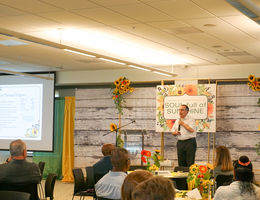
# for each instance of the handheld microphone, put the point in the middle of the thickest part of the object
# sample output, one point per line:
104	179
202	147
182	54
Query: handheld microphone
179	127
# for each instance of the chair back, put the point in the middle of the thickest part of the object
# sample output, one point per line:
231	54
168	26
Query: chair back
41	166
90	181
49	185
134	167
79	183
224	180
13	195
30	188
181	168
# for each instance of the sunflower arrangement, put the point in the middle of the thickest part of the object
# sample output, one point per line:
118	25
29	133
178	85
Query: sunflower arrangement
254	83
122	86
200	176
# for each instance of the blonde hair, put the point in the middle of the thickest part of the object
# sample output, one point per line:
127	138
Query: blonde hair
223	159
131	181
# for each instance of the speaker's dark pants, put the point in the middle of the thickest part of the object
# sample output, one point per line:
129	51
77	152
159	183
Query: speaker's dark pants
186	150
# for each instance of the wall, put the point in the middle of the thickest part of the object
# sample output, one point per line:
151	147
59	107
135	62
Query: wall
237	123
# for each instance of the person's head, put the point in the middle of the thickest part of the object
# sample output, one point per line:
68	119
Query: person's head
120	159
223	159
18	149
183	110
155	188
107	149
131	181
243	169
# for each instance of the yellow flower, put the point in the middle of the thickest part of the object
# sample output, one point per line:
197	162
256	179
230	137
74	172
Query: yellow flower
153	168
210	166
251	78
116	83
121	91
157	151
194	169
113	127
179	91
120	79
127	82
131	89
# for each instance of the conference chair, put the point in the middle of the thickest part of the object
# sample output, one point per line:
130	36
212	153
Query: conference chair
49	185
30	188
80	188
224	180
13	195
41	166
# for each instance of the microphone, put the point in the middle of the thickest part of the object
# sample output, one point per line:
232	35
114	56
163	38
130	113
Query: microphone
179	127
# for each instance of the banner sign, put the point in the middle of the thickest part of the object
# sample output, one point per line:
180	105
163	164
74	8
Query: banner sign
199	98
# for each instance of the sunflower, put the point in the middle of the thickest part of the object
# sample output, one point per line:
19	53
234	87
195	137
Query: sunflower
157	151
131	89
120	79
251	78
113	127
116	83
179	91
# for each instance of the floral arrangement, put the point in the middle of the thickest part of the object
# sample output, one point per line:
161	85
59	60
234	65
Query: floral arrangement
119	141
145	157
254	84
199	176
122	86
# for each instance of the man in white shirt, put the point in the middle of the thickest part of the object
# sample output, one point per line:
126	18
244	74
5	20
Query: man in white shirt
184	129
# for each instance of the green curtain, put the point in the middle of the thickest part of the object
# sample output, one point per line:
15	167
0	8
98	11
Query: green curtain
53	160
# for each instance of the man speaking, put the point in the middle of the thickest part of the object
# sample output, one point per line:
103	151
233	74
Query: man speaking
184	129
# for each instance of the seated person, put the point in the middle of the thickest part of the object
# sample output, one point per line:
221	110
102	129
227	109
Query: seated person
109	186
18	170
223	163
155	188
131	181
103	166
242	188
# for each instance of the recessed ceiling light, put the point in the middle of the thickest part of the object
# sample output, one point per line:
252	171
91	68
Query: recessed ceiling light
209	25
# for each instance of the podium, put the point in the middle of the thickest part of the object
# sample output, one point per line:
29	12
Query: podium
134	143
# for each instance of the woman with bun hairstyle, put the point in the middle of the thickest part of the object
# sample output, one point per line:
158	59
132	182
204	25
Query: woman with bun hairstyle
242	188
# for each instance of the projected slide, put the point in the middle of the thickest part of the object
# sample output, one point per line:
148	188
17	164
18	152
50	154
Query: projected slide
27	111
21	111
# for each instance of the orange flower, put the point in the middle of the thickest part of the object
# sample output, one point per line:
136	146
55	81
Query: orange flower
170	123
203	169
191	90
210	109
143	159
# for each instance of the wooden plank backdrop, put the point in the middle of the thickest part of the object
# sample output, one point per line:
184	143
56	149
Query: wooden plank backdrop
238	117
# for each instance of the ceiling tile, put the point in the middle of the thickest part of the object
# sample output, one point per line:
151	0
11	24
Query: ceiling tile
31	6
141	12
7	11
71	5
70	19
182	9
105	16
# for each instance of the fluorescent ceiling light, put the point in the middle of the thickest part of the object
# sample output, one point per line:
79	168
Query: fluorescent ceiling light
84	54
113	61
162	73
133	66
113	46
12	43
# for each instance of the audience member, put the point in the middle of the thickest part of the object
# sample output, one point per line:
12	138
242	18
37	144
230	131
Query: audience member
131	181
223	163
155	188
103	166
109	186
18	170
242	188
